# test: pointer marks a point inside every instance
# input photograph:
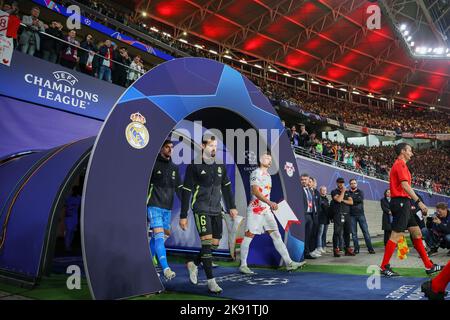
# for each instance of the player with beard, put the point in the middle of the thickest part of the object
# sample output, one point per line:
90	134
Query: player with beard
260	217
207	181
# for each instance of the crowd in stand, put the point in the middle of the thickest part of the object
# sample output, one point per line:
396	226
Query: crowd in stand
395	119
104	60
430	167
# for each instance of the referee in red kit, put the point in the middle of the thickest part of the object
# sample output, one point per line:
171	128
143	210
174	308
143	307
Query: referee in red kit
403	217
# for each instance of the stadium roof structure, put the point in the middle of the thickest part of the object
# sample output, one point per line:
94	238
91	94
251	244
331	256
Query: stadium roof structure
326	39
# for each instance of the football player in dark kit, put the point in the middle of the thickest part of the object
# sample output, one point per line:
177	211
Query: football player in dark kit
165	181
207	181
401	195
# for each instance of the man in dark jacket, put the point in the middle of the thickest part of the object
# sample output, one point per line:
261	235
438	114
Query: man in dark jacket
208	181
50	46
303	137
387	215
165	181
438	233
314	248
87	56
121	68
294	136
105	61
324	220
341	216
288	131
358	217
309	216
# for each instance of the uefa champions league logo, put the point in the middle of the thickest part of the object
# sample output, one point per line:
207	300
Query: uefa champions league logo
254	280
250	156
66	77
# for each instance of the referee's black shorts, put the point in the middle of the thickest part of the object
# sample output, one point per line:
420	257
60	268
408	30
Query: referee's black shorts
402	217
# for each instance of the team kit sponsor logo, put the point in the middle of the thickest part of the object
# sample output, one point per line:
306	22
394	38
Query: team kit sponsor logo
62	88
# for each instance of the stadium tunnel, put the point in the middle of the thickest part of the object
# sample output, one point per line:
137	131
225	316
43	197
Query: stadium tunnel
33	185
113	214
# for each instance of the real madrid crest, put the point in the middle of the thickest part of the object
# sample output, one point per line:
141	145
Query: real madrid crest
136	132
290	169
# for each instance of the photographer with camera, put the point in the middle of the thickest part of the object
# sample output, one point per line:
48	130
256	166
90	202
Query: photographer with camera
437	231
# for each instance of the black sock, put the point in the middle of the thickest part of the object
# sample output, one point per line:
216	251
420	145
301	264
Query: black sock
214	247
198	258
206	257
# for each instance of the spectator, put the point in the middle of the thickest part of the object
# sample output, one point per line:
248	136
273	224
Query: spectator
364	162
327	149
358	217
324	220
135	70
350	157
304	137
69	52
437	234
12	8
318	146
50	46
121	68
87	56
295	137
387	215
30	39
106	53
288	131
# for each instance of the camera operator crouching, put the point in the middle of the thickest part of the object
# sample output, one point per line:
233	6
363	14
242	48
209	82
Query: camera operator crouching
437	230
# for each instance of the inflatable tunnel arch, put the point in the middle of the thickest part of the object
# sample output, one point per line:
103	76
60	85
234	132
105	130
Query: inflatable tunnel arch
113	225
30	191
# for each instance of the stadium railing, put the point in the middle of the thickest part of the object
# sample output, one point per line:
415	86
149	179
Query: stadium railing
128	68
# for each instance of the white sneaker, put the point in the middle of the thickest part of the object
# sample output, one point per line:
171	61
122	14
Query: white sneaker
193	272
322	250
245	270
213	286
169	274
316	254
295	265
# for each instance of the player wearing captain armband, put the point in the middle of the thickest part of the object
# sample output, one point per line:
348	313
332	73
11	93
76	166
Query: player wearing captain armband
260	217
